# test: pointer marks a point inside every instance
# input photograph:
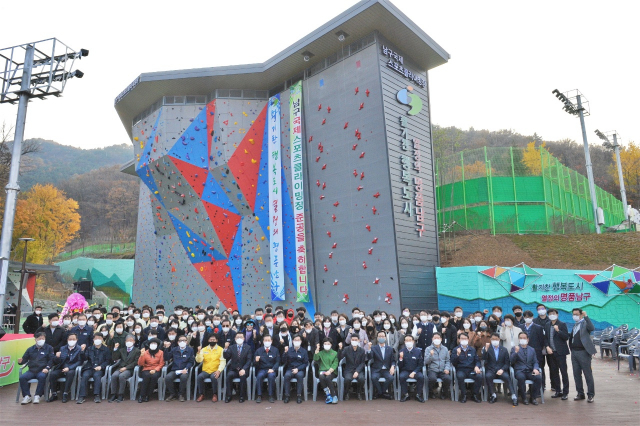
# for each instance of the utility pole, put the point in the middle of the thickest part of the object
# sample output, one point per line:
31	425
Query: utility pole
623	192
587	156
16	326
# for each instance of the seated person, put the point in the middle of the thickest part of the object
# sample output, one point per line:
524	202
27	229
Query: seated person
97	358
296	361
66	361
525	367
496	366
151	362
83	331
238	358
383	366
438	362
410	365
40	358
467	364
354	366
55	334
128	356
213	363
327	360
183	359
267	364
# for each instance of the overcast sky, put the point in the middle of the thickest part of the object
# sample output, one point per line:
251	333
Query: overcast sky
506	57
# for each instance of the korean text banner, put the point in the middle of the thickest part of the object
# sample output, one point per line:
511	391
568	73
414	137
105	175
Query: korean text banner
276	249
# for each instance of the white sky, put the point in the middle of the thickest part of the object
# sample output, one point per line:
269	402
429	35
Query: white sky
506	57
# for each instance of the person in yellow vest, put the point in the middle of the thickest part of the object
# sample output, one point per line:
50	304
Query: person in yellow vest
213	364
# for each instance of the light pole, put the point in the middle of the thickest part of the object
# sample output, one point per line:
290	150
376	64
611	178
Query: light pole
581	109
16	327
47	66
616	147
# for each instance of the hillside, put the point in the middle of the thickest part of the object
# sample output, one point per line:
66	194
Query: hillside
591	251
55	162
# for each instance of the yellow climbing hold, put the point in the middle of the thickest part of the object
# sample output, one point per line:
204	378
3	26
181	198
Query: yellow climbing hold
244	113
188	235
253	161
262	238
135	138
257	218
235	122
251	141
260	261
246	152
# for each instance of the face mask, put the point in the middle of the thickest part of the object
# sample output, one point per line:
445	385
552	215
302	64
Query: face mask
464	343
82	323
55	323
130	323
39	342
128	343
90	323
38	312
66	322
343	322
437	342
216	322
384	317
178	312
160	317
259	317
308	330
392	320
174	326
71	343
458	314
200	317
482	328
478	319
154	324
327	324
280	319
423	318
381	339
553	317
576	318
97	342
190	321
387	326
523	342
364	323
436	319
267	344
404	325
377	319
108	322
498	314
542	311
508	323
405	313
334	319
119	330
327	347
104	333
356	326
238	321
296	343
75	321
172	337
153	346
185	316
182	345
239	341
466	326
283	333
146	315
225	329
136	316
207	323
409	345
268	324
495	343
201	328
138	330
473	320
130	311
518	314
528	320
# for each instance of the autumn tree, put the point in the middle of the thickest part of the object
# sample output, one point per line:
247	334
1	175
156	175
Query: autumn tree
531	158
630	160
46	214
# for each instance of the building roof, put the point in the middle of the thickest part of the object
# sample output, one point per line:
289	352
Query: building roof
15	265
358	21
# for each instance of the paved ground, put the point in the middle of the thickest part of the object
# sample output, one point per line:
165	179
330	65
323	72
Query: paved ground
617	402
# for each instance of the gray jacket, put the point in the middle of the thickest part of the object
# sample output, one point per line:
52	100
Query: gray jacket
586	327
439	361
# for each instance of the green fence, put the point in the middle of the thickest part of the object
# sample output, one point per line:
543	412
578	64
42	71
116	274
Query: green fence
109	248
513	190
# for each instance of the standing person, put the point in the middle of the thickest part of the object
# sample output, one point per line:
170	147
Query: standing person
238	358
525	367
383	366
33	321
55	335
67	359
151	362
482	336
496	363
40	358
98	358
517	313
354	366
509	332
467	364
557	336
267	365
410	364
327	360
543	321
183	359
128	354
449	332
213	364
425	331
438	362
582	349
537	340
296	361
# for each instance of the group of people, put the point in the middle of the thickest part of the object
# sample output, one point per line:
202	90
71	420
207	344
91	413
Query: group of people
229	343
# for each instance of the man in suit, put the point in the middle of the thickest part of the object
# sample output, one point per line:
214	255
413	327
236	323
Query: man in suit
296	361
183	359
39	357
227	336
98	358
383	366
354	366
238	358
67	359
557	350
496	366
537	340
55	335
425	331
310	337
582	349
410	364
525	367
467	364
267	364
268	329
128	356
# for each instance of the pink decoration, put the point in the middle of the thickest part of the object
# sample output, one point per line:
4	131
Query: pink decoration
75	303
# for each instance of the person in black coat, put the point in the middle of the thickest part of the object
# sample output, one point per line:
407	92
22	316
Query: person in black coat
310	337
183	358
33	321
557	335
227	336
98	358
154	324
67	359
410	364
449	332
56	336
328	330
467	363
496	366
267	364
537	340
355	359
383	365
239	357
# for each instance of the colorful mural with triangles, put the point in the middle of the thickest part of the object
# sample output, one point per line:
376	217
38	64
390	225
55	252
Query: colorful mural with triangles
513	279
615	280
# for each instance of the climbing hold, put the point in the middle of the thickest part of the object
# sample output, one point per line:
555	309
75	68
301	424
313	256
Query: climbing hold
318	182
359	187
357	90
367	93
345	298
322	197
346	125
310	138
329	109
335	282
324	120
364	265
353	148
320	147
371	250
355	173
374	210
334	245
324	166
329	234
325	268
361	175
336	204
375	240
317	159
376	195
368	227
362	105
324	185
362	154
319	107
376	281
331	255
333	216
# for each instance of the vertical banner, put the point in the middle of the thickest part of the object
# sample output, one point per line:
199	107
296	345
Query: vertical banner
275	200
295	120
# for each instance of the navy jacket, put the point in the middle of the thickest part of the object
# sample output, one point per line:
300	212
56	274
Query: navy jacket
491	363
38	358
238	361
230	338
69	358
537	338
426	335
378	362
560	337
411	360
268	361
467	360
85	335
55	338
97	357
524	360
296	359
161	332
182	359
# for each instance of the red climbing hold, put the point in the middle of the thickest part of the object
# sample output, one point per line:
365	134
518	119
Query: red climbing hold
346	124
329	234
376	195
345	299
359	187
333	216
375	240
367	93
336	204
353	148
196	210
362	154
376	281
355	173
318	182
357	90
317	159
371	250
324	185
364	265
322	197
374	210
334	245
331	255
329	110
324	120
362	105
368	227
335	282
325	268
320	147
319	107
361	175
324	166
310	138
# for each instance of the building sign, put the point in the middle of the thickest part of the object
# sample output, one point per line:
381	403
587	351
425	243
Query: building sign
295	118
396	63
275	199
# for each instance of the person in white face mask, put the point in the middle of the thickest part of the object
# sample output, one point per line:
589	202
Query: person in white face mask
467	363
327	360
525	367
33	321
582	349
183	359
39	357
537	340
128	356
355	359
55	334
557	350
509	332
239	357
67	359
84	332
497	363
438	362
97	358
151	362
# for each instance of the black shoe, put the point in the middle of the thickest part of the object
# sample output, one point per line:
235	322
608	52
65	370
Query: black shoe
419	398
464	398
286	399
590	399
346	396
112	397
534	402
299	400
170	398
515	402
359	396
146	399
431	395
476	399
241	400
53	397
493	399
526	401
96	399
258	399
227	399
120	398
140	399
387	396
80	400
579	397
65	398
375	396
443	395
565	397
271	399
557	395
404	397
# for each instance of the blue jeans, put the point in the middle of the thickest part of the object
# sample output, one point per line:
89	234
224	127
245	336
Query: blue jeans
26	386
271	381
